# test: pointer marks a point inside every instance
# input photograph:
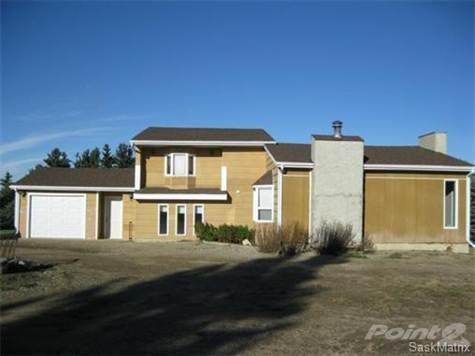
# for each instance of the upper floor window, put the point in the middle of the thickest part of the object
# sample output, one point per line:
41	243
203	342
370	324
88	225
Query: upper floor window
263	203
180	164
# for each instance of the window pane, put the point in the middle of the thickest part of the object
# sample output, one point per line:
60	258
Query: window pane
163	220
180	220
264	198
450	204
198	214
179	164
191	160
264	214
169	164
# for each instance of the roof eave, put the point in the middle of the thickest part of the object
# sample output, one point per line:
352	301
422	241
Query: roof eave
200	143
420	168
71	189
182	196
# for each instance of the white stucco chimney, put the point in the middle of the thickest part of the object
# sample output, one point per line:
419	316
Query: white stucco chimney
337	180
435	141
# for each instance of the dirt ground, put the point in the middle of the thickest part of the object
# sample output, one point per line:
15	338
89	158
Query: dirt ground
114	297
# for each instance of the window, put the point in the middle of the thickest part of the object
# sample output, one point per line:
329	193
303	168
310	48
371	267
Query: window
180	164
198	215
450	204
191	165
263	203
181	219
163	219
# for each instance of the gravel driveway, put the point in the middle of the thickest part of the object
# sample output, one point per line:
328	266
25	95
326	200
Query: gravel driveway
114	297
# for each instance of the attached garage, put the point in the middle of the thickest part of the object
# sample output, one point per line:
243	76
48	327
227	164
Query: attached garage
57	215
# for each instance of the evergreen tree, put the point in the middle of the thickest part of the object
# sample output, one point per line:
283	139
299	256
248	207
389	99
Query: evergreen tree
36	167
107	159
57	158
83	160
95	158
124	156
7	202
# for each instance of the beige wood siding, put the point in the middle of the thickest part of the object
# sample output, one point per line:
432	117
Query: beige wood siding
91	217
295	197
208	168
23	214
244	166
408	208
129	224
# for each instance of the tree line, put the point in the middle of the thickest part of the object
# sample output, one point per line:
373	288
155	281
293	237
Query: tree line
93	158
123	157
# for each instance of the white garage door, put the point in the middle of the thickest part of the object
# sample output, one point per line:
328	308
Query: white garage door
57	216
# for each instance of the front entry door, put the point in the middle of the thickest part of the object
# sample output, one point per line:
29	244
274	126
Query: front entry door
113	217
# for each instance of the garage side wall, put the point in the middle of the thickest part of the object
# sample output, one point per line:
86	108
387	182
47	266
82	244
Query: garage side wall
409	208
91	216
23	214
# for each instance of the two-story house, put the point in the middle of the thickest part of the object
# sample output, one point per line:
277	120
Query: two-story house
399	196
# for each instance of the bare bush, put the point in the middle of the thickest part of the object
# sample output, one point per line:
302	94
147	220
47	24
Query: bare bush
366	245
286	240
333	238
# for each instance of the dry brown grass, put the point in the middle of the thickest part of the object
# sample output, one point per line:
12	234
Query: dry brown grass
286	239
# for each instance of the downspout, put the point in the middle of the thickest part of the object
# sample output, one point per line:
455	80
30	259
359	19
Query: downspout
279	194
469	205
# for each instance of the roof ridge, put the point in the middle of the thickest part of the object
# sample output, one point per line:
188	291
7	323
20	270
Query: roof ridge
205	128
394	146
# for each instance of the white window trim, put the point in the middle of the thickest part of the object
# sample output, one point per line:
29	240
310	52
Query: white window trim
455	227
194	215
168	220
17	211
176	220
255	200
172	164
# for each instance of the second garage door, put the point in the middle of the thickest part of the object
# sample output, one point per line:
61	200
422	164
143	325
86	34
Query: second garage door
57	215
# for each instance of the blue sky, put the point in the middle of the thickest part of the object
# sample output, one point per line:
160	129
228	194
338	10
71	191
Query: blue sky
80	74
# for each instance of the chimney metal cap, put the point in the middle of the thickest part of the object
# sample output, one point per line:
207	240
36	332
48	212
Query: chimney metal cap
337	125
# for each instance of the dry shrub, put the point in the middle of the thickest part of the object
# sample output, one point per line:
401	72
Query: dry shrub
366	245
333	238
286	240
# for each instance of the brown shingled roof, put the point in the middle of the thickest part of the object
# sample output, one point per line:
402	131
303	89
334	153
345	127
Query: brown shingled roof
202	134
291	152
265	179
333	138
80	177
396	155
409	155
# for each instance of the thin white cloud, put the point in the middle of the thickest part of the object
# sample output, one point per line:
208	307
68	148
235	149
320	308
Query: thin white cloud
33	140
124	117
19	163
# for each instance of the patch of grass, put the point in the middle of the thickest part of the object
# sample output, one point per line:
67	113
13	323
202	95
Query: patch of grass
395	255
356	254
5	234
